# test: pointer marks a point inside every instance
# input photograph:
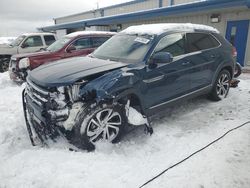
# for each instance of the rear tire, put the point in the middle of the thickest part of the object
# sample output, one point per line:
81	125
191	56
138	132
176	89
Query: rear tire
221	86
101	122
4	63
238	70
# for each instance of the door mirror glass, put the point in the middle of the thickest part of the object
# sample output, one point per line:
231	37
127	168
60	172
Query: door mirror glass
24	45
162	57
71	49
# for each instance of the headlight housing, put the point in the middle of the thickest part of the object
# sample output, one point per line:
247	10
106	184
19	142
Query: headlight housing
74	90
24	63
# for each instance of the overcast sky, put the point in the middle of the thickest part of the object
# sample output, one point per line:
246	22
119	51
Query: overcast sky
21	16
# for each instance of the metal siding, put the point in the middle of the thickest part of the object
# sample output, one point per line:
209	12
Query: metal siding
247	60
73	18
177	2
150	4
61	33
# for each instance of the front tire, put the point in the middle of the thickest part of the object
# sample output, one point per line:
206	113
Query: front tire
101	122
221	86
4	63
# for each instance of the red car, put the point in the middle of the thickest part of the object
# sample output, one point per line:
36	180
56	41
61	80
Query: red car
75	44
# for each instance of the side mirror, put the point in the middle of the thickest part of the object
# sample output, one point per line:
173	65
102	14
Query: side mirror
70	49
24	45
162	57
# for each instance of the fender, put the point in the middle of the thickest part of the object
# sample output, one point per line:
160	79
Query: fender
220	68
112	86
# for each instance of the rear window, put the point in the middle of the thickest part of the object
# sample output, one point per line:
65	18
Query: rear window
200	41
49	39
98	41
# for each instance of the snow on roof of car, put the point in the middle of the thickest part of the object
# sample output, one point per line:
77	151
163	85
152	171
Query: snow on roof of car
157	29
38	33
90	33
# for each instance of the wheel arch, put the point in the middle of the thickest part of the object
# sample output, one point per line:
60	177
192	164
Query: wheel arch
226	66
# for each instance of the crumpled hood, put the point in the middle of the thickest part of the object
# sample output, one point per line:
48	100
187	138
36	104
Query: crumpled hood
67	71
7	50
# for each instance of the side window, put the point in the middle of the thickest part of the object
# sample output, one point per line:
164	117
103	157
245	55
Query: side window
200	41
49	39
82	43
33	41
98	41
173	43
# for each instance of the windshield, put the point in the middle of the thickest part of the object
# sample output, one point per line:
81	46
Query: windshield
124	48
59	44
17	41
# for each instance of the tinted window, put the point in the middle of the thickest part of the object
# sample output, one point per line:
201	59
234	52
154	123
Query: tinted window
49	39
82	43
200	41
33	41
98	41
59	44
125	48
173	44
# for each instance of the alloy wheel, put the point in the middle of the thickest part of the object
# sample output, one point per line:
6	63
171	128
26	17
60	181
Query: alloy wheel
104	125
223	85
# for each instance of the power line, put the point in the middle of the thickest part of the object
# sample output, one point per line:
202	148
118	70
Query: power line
196	152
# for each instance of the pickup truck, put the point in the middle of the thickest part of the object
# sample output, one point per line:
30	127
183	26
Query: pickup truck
30	42
79	43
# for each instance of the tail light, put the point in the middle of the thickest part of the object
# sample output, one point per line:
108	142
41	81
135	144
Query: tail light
234	52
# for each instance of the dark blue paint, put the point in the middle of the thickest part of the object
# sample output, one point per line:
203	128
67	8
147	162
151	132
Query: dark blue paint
153	13
108	80
240	39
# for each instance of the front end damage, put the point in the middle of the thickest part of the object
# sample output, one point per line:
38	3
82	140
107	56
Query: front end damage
54	111
50	112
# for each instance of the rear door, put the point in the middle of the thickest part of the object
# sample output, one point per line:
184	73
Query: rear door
203	56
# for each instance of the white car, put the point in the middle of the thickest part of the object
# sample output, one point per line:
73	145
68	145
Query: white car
26	43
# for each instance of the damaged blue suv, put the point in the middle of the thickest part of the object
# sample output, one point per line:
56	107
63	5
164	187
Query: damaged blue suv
141	70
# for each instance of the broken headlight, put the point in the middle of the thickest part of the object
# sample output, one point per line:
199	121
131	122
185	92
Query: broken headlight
73	90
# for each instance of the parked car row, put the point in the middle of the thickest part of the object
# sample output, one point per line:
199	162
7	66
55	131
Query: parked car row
71	45
142	70
30	42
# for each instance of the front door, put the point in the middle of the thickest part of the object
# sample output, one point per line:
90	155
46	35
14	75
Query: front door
237	33
167	81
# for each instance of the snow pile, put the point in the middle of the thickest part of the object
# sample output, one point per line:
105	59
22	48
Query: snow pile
136	118
182	130
157	29
6	40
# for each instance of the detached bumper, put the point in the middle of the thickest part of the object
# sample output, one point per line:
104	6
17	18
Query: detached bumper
38	125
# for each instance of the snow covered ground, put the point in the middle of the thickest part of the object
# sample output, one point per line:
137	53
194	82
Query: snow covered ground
6	40
138	157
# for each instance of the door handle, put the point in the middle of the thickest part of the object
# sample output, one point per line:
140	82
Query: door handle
186	63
